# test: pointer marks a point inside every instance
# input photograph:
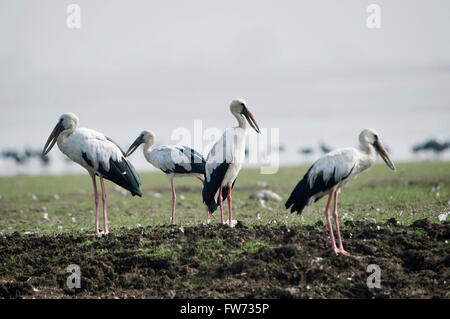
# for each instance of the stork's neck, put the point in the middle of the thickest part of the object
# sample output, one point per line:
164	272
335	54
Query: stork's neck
147	149
240	119
368	157
65	134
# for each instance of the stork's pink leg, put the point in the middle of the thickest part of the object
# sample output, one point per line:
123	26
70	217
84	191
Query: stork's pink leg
220	203
201	179
330	228
211	214
230	220
105	213
97	232
174	198
208	214
340	250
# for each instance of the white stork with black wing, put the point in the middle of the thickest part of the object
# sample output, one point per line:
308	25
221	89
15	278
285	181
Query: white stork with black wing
225	160
173	160
98	154
330	172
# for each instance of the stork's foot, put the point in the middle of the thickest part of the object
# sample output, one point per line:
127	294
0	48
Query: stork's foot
96	234
231	224
346	253
341	251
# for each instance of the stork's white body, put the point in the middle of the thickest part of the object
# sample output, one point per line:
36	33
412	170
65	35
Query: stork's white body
340	163
98	149
165	157
232	143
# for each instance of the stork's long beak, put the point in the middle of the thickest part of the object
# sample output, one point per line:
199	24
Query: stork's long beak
251	119
52	138
135	145
384	154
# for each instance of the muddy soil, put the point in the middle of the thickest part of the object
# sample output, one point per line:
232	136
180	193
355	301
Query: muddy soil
213	261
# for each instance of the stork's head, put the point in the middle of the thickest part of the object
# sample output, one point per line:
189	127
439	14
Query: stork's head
67	123
371	137
146	137
239	108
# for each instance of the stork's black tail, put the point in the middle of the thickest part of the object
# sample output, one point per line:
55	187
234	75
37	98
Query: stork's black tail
211	187
209	199
305	193
299	196
123	174
196	160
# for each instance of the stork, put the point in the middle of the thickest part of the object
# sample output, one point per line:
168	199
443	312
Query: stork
330	172
225	160
174	161
99	155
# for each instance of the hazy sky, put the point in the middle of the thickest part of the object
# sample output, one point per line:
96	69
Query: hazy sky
307	67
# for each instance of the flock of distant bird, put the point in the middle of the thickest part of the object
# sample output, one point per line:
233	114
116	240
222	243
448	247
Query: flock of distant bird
102	157
23	158
431	145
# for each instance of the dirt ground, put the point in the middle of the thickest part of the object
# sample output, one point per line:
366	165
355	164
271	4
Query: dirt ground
213	261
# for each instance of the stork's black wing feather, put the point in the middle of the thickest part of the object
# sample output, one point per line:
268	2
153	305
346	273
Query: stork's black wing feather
121	173
196	160
179	160
211	187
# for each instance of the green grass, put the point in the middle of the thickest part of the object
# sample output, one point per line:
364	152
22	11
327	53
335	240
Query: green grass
408	194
